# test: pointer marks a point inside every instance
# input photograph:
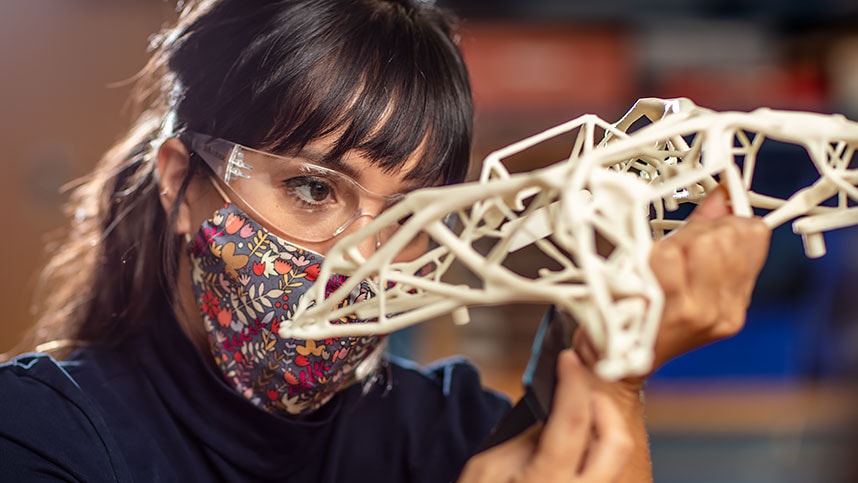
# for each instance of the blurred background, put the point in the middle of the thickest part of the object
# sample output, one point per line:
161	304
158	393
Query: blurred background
767	405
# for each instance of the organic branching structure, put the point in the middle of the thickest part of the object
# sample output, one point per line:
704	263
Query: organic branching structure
593	216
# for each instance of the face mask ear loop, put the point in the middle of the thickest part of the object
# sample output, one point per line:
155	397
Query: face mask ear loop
220	190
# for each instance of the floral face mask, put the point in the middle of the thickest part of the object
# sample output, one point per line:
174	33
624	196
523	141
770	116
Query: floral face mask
247	282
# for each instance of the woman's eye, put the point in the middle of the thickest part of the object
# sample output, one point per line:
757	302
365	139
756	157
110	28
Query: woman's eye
311	190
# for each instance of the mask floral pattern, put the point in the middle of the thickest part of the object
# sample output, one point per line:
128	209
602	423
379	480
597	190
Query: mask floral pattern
247	282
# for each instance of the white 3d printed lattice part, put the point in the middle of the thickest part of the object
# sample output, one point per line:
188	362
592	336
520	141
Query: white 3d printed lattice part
615	189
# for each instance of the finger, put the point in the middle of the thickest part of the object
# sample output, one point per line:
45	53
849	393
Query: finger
707	268
567	431
613	445
712	207
503	461
666	256
757	237
749	242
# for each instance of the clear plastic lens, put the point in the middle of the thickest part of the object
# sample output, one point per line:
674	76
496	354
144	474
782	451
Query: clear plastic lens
309	201
302	191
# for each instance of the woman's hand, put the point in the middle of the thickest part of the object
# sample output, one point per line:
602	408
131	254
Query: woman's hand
707	269
584	440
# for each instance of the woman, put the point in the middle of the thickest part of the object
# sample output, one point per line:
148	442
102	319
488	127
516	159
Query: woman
268	130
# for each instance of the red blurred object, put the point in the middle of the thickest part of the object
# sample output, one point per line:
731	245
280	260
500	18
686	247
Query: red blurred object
536	67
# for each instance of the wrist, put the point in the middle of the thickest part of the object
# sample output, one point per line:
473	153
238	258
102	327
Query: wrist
628	393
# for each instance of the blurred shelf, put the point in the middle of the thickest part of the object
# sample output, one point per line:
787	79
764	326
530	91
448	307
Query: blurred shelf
721	407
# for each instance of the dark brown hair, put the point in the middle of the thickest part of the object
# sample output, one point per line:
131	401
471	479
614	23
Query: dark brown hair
385	76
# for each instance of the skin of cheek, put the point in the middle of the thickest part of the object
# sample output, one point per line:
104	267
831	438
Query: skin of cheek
201	201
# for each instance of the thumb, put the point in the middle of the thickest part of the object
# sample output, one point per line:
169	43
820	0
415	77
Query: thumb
713	206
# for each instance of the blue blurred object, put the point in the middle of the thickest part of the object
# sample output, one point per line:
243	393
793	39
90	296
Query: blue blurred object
403	343
769	346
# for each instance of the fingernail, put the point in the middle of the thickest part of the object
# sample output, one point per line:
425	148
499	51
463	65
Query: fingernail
714	205
720	193
571	356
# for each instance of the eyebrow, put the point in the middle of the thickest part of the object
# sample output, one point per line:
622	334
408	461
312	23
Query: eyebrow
319	157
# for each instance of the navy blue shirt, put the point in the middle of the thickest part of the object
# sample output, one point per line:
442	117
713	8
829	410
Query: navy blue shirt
153	410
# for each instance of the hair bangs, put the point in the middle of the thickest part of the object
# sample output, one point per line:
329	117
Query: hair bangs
389	89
